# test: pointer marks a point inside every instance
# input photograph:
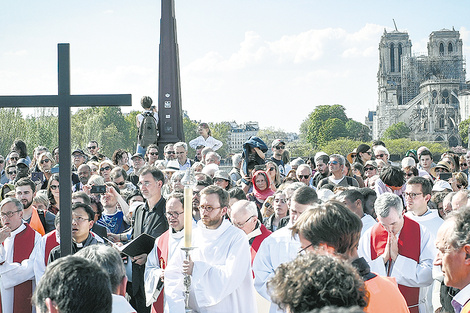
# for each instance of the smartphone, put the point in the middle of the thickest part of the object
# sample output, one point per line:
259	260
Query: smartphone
445	176
37	176
98	189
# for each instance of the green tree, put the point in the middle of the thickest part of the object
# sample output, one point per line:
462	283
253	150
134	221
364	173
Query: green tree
221	131
357	131
463	131
190	132
397	131
313	127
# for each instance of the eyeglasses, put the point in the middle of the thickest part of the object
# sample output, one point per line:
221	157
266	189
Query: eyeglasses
241	225
170	152
304	176
54	187
9	214
145	183
303	250
412	195
280	147
153	153
122	183
14	158
173	214
207	208
91	147
107	168
44	161
11	173
280	200
368	169
379	155
333	162
79	219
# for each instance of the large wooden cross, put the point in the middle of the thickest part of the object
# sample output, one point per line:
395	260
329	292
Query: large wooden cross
64	101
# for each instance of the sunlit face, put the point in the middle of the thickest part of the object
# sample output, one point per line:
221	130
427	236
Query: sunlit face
222	183
105	171
271	170
169	153
212	159
211	212
149	187
370	171
13	158
124	159
453	261
393	223
415	199
425	161
120	182
181	154
296	209
176	184
381	155
244	221
81	225
175	214
55	188
84	174
39	206
25	194
138	162
78	159
366	156
322	167
45	163
152	155
108	200
334	166
16	216
260	182
303	175
280	205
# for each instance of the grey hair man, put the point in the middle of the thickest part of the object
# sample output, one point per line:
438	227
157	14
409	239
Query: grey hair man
236	166
212	158
111	262
304	173
181	150
337	178
453	256
410	262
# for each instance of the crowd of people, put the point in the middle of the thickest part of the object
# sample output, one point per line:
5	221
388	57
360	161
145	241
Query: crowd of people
328	233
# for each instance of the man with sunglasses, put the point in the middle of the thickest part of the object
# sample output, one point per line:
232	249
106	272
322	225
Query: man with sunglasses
220	265
169	153
278	147
337	178
163	252
17	244
304	173
94	151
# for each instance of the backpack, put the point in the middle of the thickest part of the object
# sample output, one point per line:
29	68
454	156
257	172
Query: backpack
148	132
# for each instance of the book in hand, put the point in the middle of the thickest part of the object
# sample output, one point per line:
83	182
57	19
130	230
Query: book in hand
142	244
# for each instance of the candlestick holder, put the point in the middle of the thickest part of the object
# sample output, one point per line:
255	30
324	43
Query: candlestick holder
187	281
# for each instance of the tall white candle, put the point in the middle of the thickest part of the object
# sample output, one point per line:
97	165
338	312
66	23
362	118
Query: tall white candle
188	215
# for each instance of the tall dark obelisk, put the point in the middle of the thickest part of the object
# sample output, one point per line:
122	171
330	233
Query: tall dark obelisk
169	88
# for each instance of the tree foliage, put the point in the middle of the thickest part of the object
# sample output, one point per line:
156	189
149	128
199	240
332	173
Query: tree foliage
221	131
463	131
397	131
329	122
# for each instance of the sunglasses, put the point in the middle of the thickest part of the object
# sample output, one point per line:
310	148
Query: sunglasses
270	169
54	187
304	176
170	152
461	164
333	162
107	168
280	147
91	147
379	155
44	161
153	153
14	158
368	169
121	183
12	172
1	161
369	152
409	174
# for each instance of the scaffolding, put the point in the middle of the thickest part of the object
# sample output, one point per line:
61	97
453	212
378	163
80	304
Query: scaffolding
418	69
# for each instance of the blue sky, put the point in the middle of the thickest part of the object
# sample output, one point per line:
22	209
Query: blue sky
270	61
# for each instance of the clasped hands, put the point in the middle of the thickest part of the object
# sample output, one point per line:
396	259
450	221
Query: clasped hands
391	249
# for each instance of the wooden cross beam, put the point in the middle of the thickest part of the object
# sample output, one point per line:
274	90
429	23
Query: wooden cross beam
64	101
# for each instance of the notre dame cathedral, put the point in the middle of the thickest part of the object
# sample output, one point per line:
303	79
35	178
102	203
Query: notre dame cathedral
420	90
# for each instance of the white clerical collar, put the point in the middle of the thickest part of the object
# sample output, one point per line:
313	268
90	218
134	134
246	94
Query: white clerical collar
255	232
18	230
177	235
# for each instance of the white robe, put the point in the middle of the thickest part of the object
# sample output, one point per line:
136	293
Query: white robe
367	222
39	259
14	273
406	271
431	221
279	247
222	280
153	270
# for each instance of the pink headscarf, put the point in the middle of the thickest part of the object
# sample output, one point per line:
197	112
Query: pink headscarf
262	194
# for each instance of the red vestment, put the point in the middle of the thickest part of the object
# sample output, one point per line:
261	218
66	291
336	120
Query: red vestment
162	252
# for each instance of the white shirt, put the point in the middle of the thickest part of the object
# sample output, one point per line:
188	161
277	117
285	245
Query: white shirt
406	271
210	142
279	247
367	222
461	298
222	280
13	273
120	305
